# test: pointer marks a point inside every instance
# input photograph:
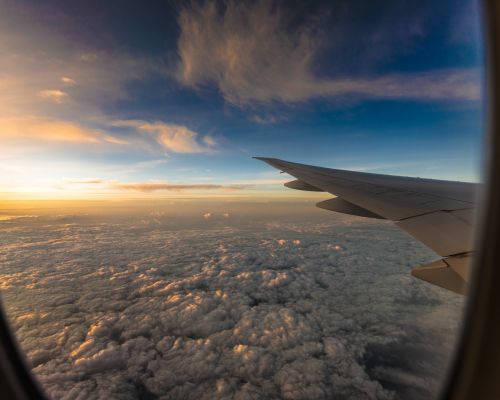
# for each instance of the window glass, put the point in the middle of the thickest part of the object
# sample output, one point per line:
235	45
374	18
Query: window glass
145	254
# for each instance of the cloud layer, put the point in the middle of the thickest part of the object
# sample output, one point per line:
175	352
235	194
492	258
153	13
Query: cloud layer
224	307
253	52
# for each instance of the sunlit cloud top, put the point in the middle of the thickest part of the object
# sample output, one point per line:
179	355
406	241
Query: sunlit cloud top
184	95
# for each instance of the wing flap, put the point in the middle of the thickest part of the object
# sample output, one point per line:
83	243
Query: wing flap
340	205
301	185
440	231
451	273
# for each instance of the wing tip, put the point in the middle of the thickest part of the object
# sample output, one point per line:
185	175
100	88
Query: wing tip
265	159
273	162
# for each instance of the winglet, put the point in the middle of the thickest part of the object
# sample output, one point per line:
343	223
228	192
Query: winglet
276	163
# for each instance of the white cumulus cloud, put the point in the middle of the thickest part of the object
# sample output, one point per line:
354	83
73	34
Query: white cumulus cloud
112	308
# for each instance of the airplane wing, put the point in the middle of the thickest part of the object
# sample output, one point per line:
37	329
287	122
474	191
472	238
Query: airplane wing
438	213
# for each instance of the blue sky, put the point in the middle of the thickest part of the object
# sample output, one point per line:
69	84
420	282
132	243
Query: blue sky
170	97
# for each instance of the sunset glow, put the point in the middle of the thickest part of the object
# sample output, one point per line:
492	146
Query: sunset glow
94	112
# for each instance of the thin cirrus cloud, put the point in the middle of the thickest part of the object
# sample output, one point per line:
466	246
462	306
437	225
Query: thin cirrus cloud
246	50
53	130
172	137
55	95
148	187
163	186
68	81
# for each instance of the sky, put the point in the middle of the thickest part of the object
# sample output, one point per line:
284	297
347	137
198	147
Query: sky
173	99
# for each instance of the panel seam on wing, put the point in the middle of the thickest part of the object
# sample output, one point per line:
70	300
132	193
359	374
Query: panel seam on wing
436	211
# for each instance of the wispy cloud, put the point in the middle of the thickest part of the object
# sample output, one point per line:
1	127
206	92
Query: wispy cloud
68	81
57	96
172	137
89	57
249	52
268	118
164	186
153	186
262	181
32	84
87	181
54	130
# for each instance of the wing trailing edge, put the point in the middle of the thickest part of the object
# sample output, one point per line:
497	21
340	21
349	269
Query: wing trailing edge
342	206
297	184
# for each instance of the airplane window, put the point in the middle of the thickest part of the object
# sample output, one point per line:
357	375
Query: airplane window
146	254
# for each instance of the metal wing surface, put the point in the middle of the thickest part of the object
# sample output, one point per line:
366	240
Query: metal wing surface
438	213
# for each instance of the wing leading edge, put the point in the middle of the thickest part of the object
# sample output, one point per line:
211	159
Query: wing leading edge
438	213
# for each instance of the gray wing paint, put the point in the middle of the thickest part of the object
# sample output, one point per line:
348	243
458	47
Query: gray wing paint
438	213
